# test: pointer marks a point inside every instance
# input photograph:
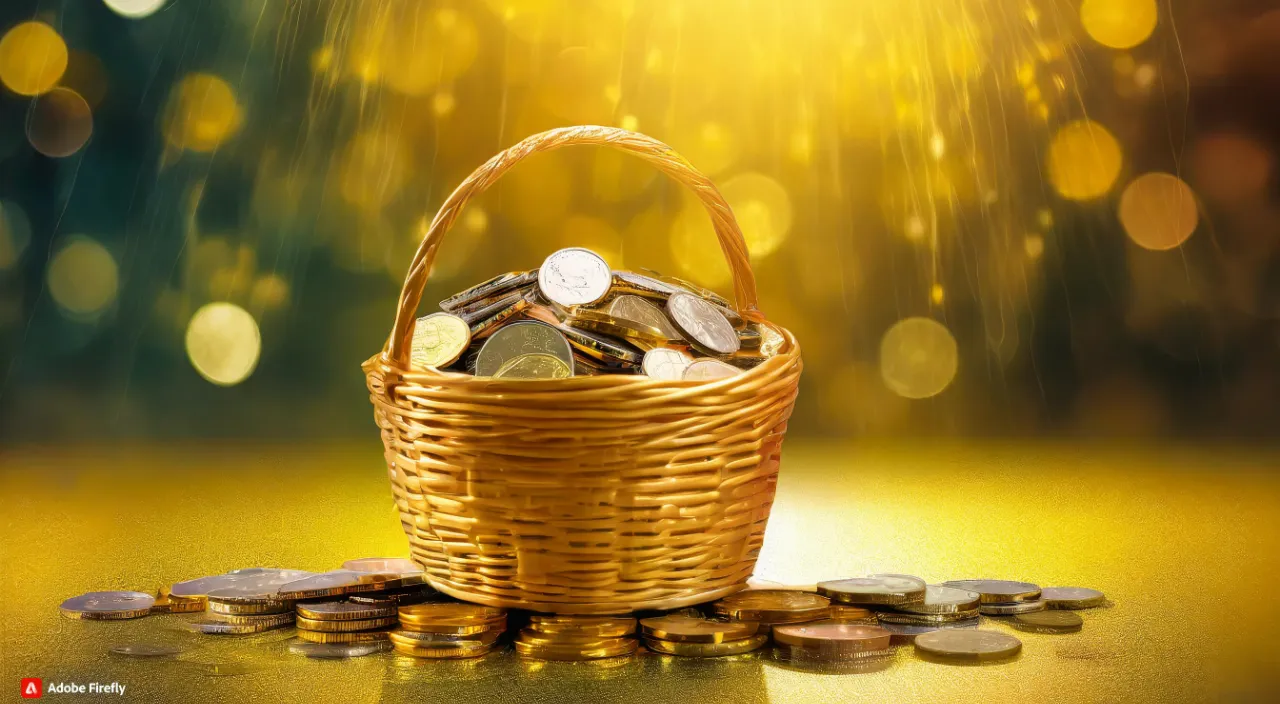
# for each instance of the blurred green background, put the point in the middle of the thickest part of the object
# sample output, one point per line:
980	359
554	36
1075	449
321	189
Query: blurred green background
1008	218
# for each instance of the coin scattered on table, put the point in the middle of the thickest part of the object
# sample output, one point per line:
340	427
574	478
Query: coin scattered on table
344	610
875	590
1049	622
997	591
551	637
240	625
107	606
964	644
1072	597
342	582
926	619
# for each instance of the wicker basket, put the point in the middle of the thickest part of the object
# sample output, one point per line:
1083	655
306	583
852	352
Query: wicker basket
599	494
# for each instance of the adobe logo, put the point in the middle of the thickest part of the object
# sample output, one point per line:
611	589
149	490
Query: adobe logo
32	688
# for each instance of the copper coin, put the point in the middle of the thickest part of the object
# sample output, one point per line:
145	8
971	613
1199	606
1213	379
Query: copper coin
773	606
833	635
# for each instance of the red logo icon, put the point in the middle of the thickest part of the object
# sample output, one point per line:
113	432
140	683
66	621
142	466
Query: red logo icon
32	688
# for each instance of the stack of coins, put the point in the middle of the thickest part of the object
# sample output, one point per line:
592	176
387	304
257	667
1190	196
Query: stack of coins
830	642
773	607
448	630
345	622
574	316
1000	597
693	636
247	608
577	637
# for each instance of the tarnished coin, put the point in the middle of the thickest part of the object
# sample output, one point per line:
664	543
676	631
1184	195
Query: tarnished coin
438	340
706	650
574	276
340	582
943	600
833	635
635	308
107	605
709	370
534	366
702	324
926	619
1012	608
966	644
344	637
338	651
345	610
1049	622
383	565
451	614
263	578
665	363
907	632
997	591
145	650
1072	597
769	606
335	626
521	338
694	629
587	626
497	286
242	625
877	590
603	349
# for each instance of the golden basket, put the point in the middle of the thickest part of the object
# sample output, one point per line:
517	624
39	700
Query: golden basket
595	494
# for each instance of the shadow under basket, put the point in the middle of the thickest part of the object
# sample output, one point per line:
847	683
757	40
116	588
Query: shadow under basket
587	495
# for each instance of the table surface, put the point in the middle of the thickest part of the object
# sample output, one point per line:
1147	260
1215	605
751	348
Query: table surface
1186	542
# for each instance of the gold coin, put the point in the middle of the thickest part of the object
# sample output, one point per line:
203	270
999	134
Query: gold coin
702	324
631	283
345	610
707	650
1049	622
245	607
534	366
166	603
841	612
364	624
623	646
574	276
595	626
833	635
438	340
395	597
441	652
769	606
709	370
346	637
268	620
966	644
665	363
340	582
522	338
105	606
643	336
601	348
635	308
490	318
693	629
451	614
878	590
577	640
419	639
498	285
455	630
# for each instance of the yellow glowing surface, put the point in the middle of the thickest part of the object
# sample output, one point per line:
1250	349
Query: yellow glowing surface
575	86
83	277
710	146
1158	211
1084	160
135	9
763	210
596	235
202	113
918	358
60	123
32	58
1175	537
1119	24
223	343
373	168
415	54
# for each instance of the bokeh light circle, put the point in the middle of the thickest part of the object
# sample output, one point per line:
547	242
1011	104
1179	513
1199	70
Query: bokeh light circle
60	123
83	277
1158	211
419	55
223	343
1084	160
32	58
87	76
1231	168
202	113
15	234
918	358
1119	24
135	9
762	208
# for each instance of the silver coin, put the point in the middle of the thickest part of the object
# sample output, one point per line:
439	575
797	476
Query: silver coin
382	564
1013	607
518	339
665	363
943	600
702	324
574	276
709	370
966	644
876	589
641	311
108	605
339	582
997	591
339	651
145	650
243	625
641	285
345	610
907	632
927	619
1072	597
201	586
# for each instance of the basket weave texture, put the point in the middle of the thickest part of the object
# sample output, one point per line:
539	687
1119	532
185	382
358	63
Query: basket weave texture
594	494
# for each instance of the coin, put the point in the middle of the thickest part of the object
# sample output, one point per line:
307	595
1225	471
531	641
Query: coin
144	650
702	324
997	591
878	590
419	639
438	340
615	648
697	290
1014	607
629	307
451	614
770	606
443	651
384	565
534	366
340	582
833	635
966	644
263	577
943	600
574	276
706	650
252	619
231	602
907	632
107	605
665	363
345	610
166	603
1072	597
694	629
631	283
498	285
333	626
344	637
602	348
771	341
749	339
455	629
1049	622
399	597
338	651
709	370
220	627
927	619
521	338
841	612
594	626
486	321
645	337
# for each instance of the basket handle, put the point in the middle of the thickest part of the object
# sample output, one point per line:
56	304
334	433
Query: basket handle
647	148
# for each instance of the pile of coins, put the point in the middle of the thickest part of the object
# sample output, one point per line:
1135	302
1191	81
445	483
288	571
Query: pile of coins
551	637
574	316
904	605
448	630
773	607
697	637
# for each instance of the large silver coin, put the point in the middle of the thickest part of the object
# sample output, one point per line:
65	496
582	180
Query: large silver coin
943	600
964	644
201	586
877	589
709	370
382	564
997	591
1012	608
574	276
665	363
519	339
1072	597
339	651
702	324
108	605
